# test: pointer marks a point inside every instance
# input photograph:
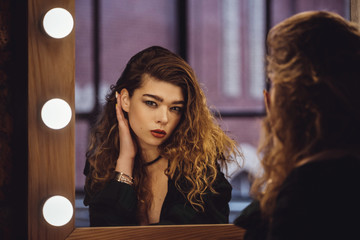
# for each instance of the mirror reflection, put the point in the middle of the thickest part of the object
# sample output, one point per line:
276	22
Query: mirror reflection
222	40
155	152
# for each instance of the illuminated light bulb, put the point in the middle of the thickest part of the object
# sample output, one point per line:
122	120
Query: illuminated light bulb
57	211
56	113
58	23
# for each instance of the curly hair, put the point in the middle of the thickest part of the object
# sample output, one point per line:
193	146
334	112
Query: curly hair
313	64
195	149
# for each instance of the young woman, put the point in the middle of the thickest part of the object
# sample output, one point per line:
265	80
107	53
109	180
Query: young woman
156	151
311	150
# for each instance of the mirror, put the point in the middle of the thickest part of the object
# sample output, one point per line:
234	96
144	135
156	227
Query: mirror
223	40
182	28
51	153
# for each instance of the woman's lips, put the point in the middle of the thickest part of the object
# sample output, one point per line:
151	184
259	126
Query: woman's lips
158	133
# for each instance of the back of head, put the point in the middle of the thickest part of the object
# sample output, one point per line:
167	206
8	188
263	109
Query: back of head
314	68
314	65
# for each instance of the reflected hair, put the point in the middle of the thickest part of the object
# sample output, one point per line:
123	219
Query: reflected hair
195	150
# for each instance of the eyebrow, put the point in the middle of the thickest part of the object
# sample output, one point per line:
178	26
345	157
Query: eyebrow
160	99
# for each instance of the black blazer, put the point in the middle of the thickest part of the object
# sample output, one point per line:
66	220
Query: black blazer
116	205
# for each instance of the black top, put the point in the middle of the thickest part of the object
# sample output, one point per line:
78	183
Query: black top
116	205
319	200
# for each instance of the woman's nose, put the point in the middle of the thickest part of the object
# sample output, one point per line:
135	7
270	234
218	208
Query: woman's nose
162	116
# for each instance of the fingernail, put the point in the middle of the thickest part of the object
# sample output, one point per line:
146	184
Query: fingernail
116	94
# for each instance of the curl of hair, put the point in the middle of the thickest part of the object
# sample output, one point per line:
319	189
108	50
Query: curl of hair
197	147
313	64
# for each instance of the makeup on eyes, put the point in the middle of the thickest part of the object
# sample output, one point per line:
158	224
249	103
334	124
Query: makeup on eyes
152	102
178	109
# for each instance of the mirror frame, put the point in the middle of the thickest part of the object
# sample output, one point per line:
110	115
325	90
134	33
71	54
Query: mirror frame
51	153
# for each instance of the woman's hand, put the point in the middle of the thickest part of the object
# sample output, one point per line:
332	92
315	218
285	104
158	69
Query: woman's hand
125	162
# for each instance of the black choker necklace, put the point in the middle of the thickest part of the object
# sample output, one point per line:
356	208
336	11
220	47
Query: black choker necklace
153	161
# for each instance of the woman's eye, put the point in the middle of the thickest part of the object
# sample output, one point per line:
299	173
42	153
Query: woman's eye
176	109
150	103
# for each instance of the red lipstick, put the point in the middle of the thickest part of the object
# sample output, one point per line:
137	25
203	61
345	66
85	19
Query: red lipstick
158	133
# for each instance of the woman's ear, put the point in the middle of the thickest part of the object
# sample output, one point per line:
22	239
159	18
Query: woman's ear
266	100
125	99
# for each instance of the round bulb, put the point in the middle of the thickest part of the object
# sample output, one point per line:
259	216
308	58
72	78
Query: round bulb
57	210
56	113
58	23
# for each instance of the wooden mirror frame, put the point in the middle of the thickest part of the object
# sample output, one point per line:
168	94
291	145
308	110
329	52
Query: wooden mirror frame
51	153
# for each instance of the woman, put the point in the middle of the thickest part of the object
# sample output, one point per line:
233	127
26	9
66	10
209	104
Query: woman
310	153
156	151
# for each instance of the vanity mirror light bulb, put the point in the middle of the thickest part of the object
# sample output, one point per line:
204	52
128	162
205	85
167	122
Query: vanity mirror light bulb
57	210
56	113
58	23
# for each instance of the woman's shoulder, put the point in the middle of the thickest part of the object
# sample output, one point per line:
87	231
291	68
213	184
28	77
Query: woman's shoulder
330	178
329	166
318	196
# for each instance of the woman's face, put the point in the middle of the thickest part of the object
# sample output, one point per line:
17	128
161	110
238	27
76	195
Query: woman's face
154	111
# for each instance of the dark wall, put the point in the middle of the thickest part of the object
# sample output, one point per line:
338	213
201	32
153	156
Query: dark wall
13	119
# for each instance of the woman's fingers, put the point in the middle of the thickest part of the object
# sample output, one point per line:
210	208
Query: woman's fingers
119	113
124	131
127	145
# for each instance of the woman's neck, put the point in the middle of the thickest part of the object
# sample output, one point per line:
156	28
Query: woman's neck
149	154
